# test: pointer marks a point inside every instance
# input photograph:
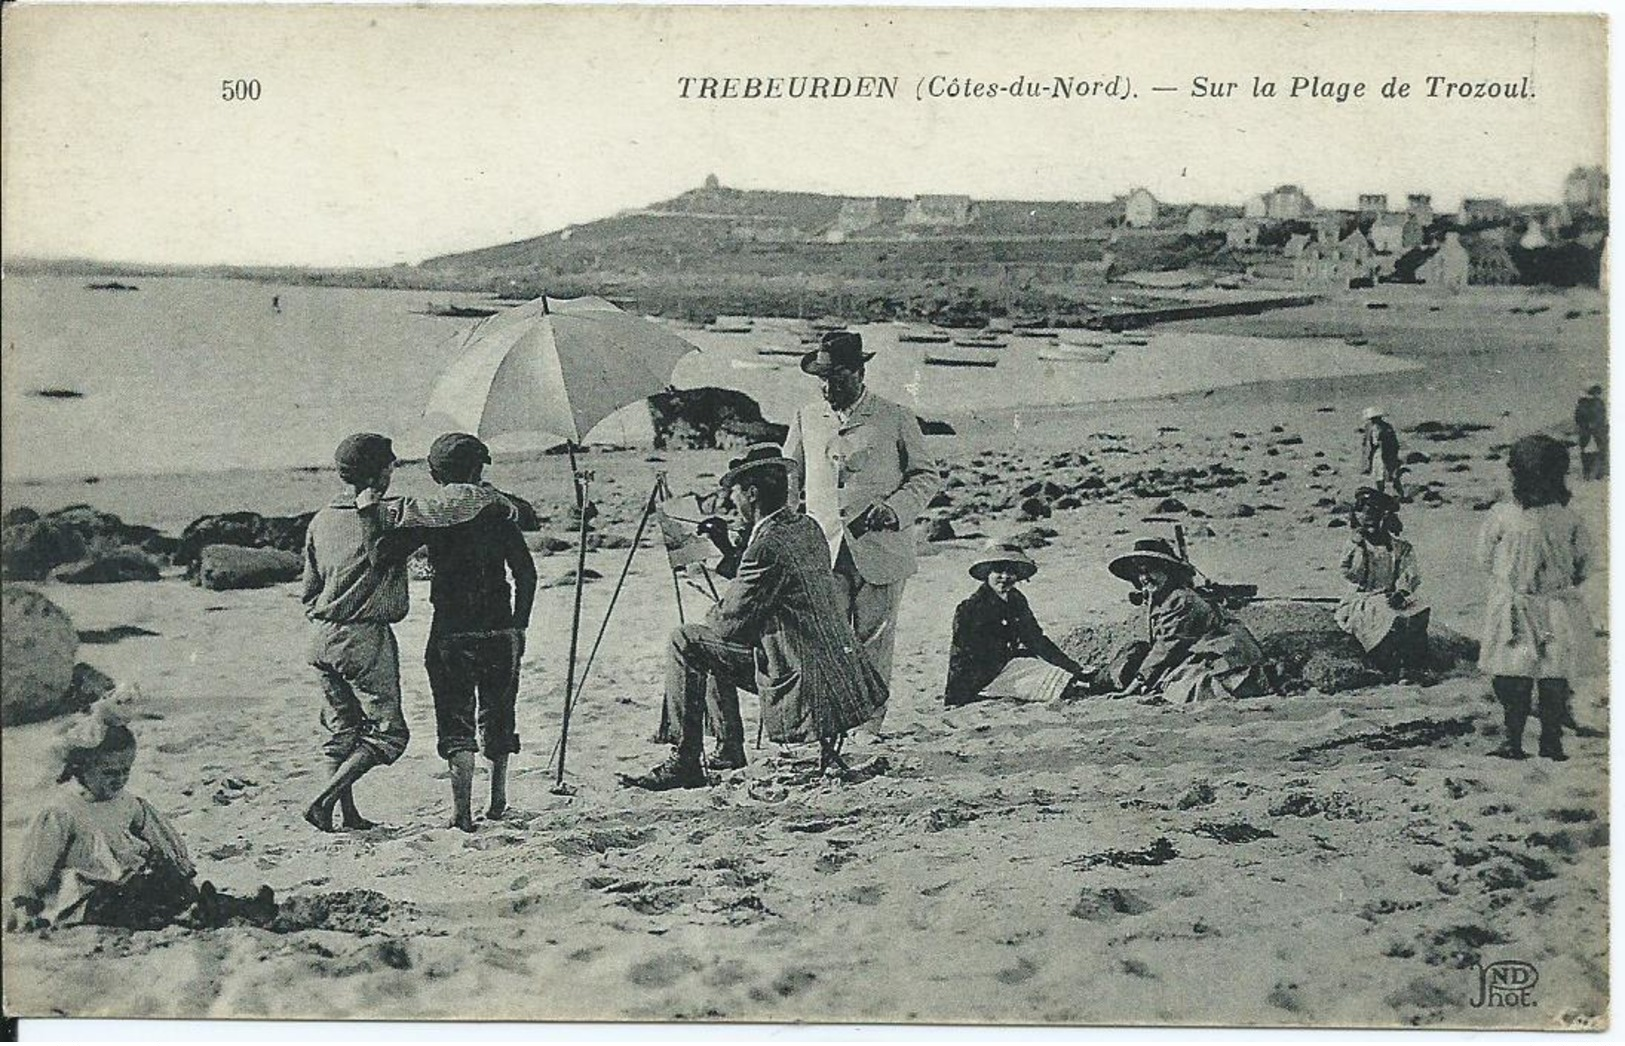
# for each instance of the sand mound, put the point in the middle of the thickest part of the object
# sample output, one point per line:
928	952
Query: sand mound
1301	639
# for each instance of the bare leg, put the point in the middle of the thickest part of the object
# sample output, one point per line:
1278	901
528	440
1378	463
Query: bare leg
320	811
462	790
499	787
350	817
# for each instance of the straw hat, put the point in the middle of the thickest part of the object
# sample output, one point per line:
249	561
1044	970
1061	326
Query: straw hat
757	455
1002	554
1148	552
1372	413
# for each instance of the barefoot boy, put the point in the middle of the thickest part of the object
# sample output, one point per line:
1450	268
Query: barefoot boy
354	590
478	632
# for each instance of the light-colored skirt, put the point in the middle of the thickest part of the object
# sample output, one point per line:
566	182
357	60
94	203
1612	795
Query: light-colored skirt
1368	618
1540	637
1028	679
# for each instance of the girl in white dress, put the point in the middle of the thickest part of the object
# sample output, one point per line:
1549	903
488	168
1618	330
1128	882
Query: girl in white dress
95	853
1537	634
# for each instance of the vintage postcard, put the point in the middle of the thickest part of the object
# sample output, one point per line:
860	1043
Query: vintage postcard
854	515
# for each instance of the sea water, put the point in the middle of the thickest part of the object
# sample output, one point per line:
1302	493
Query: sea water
188	374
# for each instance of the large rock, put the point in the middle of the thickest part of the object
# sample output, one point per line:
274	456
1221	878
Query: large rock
120	564
37	648
1301	639
222	567
30	549
710	419
246	529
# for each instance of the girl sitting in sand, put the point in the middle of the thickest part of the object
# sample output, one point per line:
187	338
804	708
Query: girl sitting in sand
97	854
1196	651
1537	634
1382	612
998	648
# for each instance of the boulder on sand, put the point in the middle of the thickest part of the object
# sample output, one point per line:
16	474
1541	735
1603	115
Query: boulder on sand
37	648
31	548
1300	639
120	564
710	419
246	529
222	567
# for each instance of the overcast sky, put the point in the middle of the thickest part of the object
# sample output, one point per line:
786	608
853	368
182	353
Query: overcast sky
384	135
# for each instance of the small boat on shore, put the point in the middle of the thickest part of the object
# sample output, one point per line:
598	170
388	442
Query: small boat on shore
754	365
957	355
825	324
111	285
980	341
1065	353
460	312
730	328
781	350
924	337
1035	333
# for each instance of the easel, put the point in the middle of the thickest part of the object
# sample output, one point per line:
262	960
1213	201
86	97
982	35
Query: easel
658	493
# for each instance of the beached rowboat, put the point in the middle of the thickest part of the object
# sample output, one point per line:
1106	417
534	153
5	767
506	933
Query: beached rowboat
962	356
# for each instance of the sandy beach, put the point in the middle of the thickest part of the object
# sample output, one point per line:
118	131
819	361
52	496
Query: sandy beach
1319	859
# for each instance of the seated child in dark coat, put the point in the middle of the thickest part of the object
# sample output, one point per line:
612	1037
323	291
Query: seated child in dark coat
998	649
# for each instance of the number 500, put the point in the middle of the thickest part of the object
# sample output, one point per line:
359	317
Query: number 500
239	90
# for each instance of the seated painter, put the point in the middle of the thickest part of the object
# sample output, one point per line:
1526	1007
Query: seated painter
999	649
1382	612
1195	651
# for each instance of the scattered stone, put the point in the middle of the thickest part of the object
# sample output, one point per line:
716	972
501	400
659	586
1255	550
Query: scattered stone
1034	508
227	567
1170	505
244	529
939	529
37	648
547	544
1108	903
710	418
121	564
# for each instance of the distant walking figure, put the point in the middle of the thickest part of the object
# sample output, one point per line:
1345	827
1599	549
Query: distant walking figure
1591	428
1379	453
276	303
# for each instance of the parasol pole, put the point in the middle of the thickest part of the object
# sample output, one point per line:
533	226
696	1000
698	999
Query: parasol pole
582	481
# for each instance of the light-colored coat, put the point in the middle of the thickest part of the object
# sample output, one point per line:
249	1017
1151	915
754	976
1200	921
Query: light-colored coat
876	454
811	674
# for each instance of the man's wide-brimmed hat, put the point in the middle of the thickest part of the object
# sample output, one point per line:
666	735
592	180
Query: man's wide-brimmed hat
1148	552
1372	413
1003	554
757	455
1372	496
837	349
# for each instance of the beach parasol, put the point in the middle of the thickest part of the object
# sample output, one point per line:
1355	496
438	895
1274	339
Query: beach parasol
558	366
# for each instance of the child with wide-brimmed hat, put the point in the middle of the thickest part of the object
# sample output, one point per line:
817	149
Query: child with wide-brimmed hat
999	649
1194	650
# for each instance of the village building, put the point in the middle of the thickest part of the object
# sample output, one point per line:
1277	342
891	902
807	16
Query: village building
940	210
1421	205
1295	244
1256	207
1533	238
1373	204
1337	264
1449	267
1140	209
1287	203
1482	209
1395	233
856	214
1241	233
1585	190
1328	225
1198	221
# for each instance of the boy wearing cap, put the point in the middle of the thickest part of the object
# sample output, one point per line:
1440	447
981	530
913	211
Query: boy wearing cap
1379	452
1591	433
477	635
866	477
998	647
354	590
780	630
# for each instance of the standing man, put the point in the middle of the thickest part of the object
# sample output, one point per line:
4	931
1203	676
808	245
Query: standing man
1379	453
1591	429
780	630
354	590
866	478
477	635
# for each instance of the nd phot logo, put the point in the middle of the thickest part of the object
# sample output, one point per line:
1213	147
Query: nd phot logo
1509	982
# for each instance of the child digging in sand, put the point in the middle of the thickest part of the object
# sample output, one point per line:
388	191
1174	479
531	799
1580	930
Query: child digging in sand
97	854
1536	630
1382	612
